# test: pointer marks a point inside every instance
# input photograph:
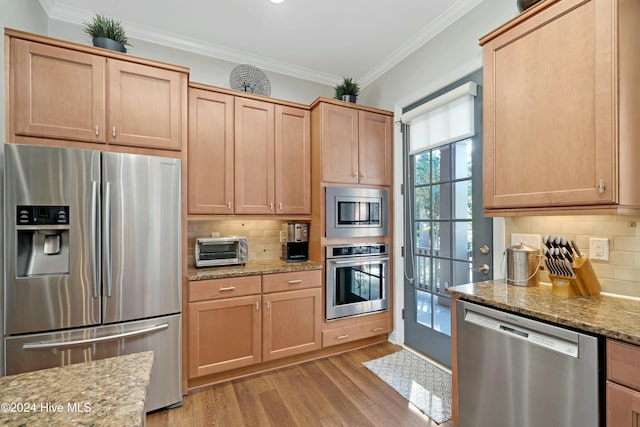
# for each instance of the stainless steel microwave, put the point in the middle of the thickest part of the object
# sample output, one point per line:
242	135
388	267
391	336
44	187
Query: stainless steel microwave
214	251
356	212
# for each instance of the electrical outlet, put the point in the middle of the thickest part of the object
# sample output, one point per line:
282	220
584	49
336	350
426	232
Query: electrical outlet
283	237
599	248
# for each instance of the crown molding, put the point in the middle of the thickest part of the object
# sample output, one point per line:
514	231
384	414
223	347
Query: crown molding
76	16
452	14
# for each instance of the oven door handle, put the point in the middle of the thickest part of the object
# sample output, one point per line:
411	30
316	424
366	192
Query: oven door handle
359	260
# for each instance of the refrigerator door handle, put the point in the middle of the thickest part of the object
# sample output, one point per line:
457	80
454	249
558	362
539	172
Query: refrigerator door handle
95	247
107	238
55	344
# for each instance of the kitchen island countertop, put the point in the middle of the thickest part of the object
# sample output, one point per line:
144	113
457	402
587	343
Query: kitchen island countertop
251	268
107	392
610	316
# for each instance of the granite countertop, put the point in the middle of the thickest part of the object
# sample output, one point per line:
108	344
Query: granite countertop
107	392
252	268
611	316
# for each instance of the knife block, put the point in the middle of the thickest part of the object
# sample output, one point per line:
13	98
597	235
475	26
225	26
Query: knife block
585	284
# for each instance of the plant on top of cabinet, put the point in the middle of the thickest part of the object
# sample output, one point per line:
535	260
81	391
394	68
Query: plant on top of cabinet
348	90
107	33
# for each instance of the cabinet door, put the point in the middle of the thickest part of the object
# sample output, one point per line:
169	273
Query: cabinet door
293	160
255	152
145	106
57	93
291	323
623	406
339	144
224	334
549	97
210	152
375	148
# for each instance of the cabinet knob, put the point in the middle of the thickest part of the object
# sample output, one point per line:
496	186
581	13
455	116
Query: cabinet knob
601	186
257	306
271	206
97	130
295	282
280	206
342	337
113	131
228	205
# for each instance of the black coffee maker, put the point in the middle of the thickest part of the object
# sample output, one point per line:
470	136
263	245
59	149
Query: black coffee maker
296	248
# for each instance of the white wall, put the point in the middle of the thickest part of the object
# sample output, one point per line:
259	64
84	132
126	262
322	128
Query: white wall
203	69
26	15
449	56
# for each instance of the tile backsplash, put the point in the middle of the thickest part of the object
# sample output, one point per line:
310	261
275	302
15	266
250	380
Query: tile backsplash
619	275
263	235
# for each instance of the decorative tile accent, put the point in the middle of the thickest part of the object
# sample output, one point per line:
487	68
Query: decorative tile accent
419	381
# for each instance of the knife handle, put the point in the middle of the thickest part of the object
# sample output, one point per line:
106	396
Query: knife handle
576	249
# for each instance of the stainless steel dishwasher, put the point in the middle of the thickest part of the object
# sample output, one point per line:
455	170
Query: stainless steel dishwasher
514	371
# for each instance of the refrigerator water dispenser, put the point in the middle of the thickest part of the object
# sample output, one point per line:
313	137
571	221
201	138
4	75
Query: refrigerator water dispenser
42	240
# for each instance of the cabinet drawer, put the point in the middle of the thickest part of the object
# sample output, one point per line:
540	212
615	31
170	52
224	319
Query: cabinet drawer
356	332
291	281
202	290
623	364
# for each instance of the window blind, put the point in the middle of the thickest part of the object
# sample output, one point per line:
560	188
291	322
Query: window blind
441	120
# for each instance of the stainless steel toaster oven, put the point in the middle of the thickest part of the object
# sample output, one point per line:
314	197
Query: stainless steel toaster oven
215	251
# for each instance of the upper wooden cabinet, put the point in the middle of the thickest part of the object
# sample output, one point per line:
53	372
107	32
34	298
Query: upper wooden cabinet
210	181
560	109
57	92
293	160
255	157
145	106
63	93
355	145
247	155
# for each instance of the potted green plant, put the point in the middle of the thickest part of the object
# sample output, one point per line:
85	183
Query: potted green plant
107	33
348	90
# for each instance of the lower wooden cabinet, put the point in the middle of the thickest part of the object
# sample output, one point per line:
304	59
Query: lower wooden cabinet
230	329
224	334
623	406
291	323
623	384
355	332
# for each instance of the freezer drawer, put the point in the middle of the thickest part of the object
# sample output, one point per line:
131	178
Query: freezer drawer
162	335
515	371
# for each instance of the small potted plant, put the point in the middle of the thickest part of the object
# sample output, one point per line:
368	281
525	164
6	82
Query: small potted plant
107	33
348	90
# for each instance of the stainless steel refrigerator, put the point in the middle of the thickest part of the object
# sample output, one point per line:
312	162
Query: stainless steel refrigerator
92	261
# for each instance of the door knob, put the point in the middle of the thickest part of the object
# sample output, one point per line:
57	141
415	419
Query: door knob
484	269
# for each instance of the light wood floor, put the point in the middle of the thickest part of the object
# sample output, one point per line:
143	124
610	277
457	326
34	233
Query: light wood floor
335	391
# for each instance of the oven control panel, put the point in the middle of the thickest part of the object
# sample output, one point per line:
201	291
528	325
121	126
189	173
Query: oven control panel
364	249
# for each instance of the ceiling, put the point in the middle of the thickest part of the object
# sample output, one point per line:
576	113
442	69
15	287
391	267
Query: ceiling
317	40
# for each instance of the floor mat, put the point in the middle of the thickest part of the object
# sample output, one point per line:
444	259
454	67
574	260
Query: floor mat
419	381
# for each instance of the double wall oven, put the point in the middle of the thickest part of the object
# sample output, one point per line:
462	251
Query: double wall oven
357	274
